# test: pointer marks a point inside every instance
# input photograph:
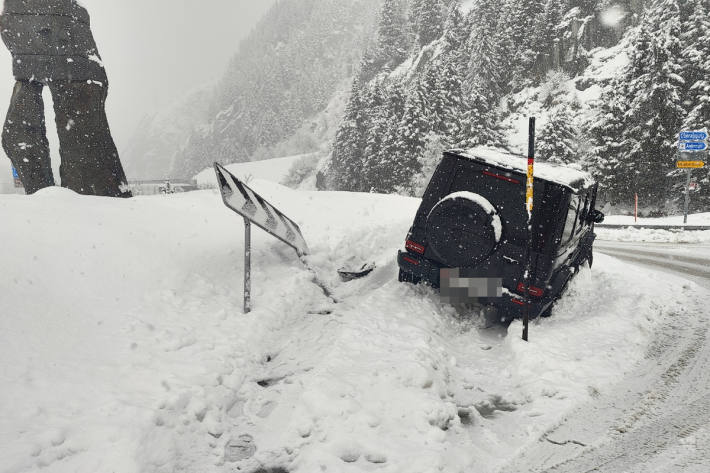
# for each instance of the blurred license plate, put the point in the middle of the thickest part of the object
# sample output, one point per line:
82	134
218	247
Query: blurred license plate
456	289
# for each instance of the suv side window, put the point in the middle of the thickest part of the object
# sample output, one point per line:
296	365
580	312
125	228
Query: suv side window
583	215
572	211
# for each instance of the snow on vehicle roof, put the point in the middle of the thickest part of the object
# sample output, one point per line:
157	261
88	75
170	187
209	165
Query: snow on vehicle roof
564	175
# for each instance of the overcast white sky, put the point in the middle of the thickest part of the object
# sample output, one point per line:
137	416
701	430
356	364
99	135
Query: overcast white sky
155	52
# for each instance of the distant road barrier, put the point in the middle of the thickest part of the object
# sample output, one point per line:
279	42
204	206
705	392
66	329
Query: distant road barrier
690	228
162	186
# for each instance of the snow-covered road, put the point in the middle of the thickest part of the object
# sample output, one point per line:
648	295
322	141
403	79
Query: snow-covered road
688	260
657	419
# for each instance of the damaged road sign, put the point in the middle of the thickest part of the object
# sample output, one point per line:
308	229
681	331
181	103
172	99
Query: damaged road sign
250	205
240	198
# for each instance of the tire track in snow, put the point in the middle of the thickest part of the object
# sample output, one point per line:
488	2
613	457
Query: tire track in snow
656	420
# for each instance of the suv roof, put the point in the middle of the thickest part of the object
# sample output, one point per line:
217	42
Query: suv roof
574	179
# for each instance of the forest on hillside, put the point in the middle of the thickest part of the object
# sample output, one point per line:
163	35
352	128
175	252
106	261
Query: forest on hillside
442	75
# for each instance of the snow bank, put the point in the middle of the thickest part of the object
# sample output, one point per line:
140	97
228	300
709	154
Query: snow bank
693	219
631	234
274	170
124	348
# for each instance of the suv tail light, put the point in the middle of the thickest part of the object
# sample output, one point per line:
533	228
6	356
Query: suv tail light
532	290
415	247
410	260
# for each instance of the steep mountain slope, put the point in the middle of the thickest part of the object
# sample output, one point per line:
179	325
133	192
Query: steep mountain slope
285	72
612	81
153	148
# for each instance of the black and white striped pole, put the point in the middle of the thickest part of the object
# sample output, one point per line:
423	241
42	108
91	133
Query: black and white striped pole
529	195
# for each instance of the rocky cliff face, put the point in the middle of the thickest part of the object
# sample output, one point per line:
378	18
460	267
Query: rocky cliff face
581	31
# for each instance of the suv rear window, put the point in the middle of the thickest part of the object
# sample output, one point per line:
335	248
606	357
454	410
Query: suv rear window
509	200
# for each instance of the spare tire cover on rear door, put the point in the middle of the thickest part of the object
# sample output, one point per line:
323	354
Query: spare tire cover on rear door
463	229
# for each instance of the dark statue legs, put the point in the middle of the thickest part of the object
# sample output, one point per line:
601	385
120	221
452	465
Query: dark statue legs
89	159
90	163
24	137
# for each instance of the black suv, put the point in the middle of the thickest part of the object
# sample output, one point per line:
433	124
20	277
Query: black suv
472	228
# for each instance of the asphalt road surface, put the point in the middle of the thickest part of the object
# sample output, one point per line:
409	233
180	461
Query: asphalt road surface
689	261
657	420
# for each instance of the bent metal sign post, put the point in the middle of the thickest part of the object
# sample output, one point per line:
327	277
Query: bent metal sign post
238	197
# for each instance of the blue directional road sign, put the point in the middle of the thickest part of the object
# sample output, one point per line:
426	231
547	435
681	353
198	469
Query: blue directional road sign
693	146
14	173
693	136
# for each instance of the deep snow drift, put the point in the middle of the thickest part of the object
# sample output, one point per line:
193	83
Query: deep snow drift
123	346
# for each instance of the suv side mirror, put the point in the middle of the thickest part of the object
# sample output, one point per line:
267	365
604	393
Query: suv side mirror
596	216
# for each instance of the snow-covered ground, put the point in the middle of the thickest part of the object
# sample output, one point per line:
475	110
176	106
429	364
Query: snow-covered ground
653	235
123	346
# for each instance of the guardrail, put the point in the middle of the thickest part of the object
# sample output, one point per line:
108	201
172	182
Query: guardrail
690	228
161	186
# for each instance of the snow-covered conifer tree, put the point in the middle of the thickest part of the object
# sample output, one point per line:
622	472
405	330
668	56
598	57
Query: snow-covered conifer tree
392	39
427	18
696	66
380	172
411	139
696	71
486	44
346	163
654	91
545	32
520	17
605	162
380	115
558	139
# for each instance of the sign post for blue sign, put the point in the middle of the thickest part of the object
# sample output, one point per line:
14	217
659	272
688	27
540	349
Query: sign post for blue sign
690	142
